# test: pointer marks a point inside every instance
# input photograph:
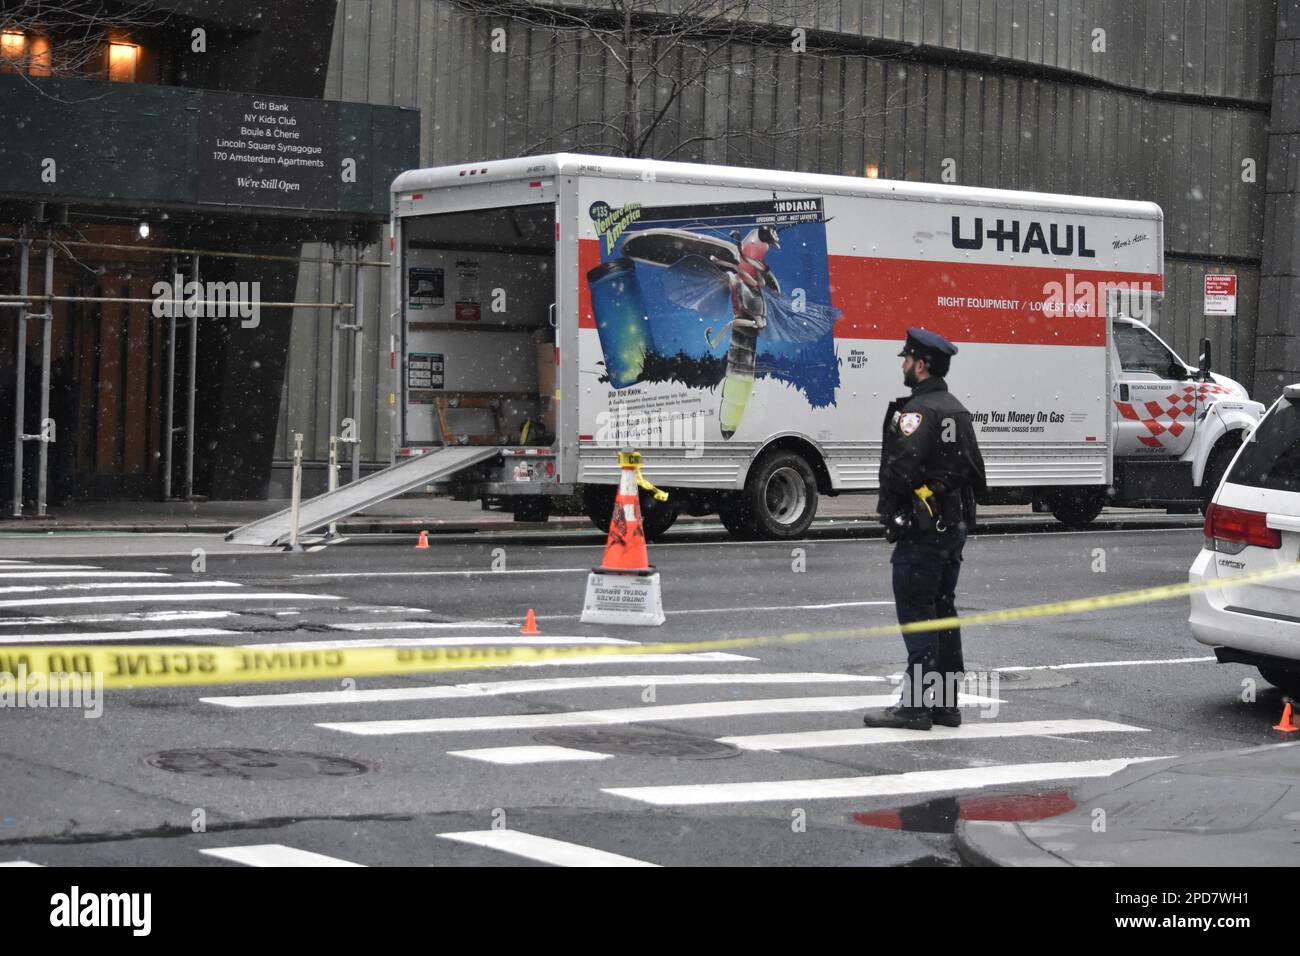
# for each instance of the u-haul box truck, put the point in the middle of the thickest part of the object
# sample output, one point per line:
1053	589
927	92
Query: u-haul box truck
741	329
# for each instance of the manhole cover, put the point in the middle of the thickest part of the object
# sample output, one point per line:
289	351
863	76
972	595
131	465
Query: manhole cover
639	743
1029	680
247	763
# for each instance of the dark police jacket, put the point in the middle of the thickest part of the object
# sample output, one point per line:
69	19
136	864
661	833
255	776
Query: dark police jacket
921	447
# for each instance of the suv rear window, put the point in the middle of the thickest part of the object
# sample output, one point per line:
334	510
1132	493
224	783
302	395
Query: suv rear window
1271	458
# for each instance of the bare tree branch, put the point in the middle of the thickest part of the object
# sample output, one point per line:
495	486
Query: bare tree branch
67	37
659	53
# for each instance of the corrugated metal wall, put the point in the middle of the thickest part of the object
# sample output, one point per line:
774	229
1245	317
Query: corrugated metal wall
985	91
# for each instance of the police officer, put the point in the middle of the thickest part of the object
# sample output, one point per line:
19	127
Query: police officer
930	472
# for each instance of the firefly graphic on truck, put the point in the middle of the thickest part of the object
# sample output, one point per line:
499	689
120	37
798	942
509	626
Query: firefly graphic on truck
679	283
715	280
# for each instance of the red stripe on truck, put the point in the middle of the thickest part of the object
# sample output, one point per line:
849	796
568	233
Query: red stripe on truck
967	302
972	302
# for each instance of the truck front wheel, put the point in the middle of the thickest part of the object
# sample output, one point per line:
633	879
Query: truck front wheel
779	501
1076	508
1216	468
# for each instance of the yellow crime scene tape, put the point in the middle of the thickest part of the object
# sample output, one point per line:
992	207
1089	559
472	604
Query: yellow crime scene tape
126	666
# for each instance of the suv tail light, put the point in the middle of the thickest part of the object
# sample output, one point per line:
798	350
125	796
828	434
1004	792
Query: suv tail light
1229	530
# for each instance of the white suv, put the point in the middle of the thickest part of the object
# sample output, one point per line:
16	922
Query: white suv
1254	523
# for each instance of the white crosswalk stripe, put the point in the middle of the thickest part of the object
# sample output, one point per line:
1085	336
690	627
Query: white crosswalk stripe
622	715
115	586
68	587
971	730
10	575
445	691
542	849
415	625
122	618
877	785
247	596
448	642
93	637
274	854
538	753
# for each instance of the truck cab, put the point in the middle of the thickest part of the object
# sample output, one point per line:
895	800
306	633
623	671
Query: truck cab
1175	426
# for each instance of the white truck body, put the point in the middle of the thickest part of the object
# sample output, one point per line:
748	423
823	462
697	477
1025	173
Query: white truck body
630	275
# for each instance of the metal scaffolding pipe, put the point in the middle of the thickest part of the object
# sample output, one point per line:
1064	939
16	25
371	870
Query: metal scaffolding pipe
337	271
169	412
193	390
358	341
47	336
20	379
6	299
215	253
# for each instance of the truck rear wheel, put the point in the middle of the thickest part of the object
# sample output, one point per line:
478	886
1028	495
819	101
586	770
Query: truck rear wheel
532	508
735	517
1076	508
656	516
1286	681
780	498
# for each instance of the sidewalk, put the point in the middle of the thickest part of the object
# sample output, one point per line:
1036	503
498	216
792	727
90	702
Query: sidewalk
1233	808
444	516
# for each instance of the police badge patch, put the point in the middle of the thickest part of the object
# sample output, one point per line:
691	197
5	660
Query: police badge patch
909	422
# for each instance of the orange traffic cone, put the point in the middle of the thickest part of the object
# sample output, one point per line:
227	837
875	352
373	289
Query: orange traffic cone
1285	724
625	588
423	542
625	548
530	624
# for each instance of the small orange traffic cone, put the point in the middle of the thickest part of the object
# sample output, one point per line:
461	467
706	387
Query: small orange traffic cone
1286	725
423	542
530	624
625	548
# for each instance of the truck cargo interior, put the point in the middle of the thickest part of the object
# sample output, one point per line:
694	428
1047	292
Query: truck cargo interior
479	343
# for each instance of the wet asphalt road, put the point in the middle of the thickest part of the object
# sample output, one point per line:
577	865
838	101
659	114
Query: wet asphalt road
678	760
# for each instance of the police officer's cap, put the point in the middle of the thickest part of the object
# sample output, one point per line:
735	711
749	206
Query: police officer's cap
927	345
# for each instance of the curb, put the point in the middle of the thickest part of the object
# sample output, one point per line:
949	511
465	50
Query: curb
1012	848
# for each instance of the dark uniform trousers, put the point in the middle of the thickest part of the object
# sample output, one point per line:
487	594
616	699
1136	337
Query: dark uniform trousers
926	567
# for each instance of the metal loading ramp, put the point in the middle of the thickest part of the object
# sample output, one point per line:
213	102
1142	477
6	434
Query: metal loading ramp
359	495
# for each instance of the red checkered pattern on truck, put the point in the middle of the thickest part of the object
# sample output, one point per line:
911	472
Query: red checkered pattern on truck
1164	417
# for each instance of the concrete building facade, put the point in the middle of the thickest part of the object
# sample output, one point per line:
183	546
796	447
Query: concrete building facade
1178	102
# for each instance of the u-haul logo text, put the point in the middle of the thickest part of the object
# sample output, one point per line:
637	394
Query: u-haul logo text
1014	236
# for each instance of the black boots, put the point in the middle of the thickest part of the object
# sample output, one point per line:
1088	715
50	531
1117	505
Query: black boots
899	718
946	716
912	718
